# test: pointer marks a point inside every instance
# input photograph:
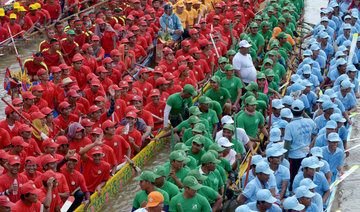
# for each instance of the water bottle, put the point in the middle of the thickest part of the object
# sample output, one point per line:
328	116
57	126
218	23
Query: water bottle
15	191
127	127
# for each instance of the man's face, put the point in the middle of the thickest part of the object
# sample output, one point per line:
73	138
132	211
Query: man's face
71	163
250	108
30	168
195	147
253	30
227	133
26	135
97	158
14	169
263	177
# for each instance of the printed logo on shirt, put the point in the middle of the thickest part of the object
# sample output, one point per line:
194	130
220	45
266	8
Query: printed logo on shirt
115	143
99	172
216	181
117	107
232	84
161	111
173	68
194	207
72	182
145	89
221	97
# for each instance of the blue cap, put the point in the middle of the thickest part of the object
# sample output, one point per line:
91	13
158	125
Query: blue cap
316	151
297	86
276	103
330	92
303	191
308	183
337	117
263	167
315	160
323	98
347	43
309	163
347	26
323	11
306	83
297	105
256	159
275	134
351	67
313	40
319	28
341	78
315	46
281	124
307	53
324	18
275	151
243	208
328	105
333	4
347	84
333	137
288	100
339	54
308	60
342	48
331	125
279	147
347	17
168	7
340	61
324	35
265	195
354	14
294	77
286	113
291	203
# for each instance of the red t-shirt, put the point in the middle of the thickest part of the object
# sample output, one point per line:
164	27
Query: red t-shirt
7	182
14	29
14	131
169	67
60	122
135	134
53	9
80	75
120	107
56	200
69	48
51	59
147	117
44	45
109	155
74	180
82	143
33	148
156	110
107	41
4	138
90	62
95	174
21	207
139	51
181	52
48	93
90	96
32	68
120	147
33	178
144	87
25	23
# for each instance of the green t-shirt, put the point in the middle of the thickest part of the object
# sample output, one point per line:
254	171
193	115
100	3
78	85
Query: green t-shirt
250	123
208	193
267	35
217	107
273	20
142	196
214	180
287	47
197	156
192	163
222	172
170	188
232	85
258	39
212	118
198	203
220	96
185	124
207	144
238	147
181	174
220	74
178	104
225	164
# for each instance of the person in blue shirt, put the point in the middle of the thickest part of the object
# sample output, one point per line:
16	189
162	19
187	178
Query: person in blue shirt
288	100
263	172
282	174
276	109
310	95
325	169
328	109
346	97
291	204
304	196
354	60
339	70
357	48
341	130
309	167
351	71
321	140
286	115
308	54
317	199
171	23
326	46
346	35
314	70
298	136
344	5
264	202
334	155
318	55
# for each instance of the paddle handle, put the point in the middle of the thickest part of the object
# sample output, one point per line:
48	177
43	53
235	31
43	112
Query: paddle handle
247	172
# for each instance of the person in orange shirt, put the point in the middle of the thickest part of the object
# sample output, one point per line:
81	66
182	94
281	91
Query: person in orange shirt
276	32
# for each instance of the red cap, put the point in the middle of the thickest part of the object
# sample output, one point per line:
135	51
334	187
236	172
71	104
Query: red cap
204	42
5	201
37	115
123	84
226	21
90	77
75	157
216	17
95	38
168	51
238	13
41	71
115	87
107	124
75	87
217	5
47	159
73	93
86	123
46	110
193	31
14	159
95	82
24	128
28	95
63	105
64	66
99	99
118	27
136	98
93	109
160	81
154	92
246	1
182	68
115	52
180	58
131	108
130	17
142	23
124	40
143	70
101	69
9	110
106	60
18	141
80	128
202	20
130	35
55	69
37	88
134	28
3	154
49	173
158	69
77	57
196	26
190	59
194	50
148	17
97	131
31	160
99	21
169	75
29	187
49	142
185	43
128	79
131	114
150	10
62	140
17	101
96	150
85	47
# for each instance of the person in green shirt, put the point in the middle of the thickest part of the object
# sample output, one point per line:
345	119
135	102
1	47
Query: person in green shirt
233	84
273	86
222	61
210	194
214	105
290	27
147	185
176	170
265	31
197	149
230	55
182	147
224	163
176	106
190	200
277	67
251	120
208	168
284	44
268	64
253	87
160	182
272	18
199	131
219	94
208	114
258	19
228	132
257	38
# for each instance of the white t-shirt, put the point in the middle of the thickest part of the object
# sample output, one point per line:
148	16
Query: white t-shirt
231	157
245	65
241	135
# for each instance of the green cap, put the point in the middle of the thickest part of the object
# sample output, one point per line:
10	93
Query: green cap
286	8
253	25
216	147
193	119
195	173
243	36
268	60
230	52
178	156
199	128
159	171
269	73
204	100
229	67
286	15
265	16
189	89
146	175
273	0
282	20
208	157
272	52
215	153
291	8
251	100
192	183
270	8
282	35
264	23
258	17
275	5
70	32
274	45
198	139
215	78
229	127
247	94
286	2
252	86
260	75
182	147
194	110
222	59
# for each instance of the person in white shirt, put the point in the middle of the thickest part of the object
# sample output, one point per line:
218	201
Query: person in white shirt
243	63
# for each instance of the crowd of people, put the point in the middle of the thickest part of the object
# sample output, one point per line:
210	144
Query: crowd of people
91	106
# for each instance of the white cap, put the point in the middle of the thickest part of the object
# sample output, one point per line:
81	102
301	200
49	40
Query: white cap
227	120
224	142
244	44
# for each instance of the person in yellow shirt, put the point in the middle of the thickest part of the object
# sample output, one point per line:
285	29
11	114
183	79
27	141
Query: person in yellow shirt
182	14
192	13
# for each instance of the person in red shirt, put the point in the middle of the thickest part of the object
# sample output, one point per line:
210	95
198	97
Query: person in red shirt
31	166
11	181
65	117
162	84
197	71
48	87
59	31
96	171
172	88
142	83
68	46
247	11
99	52
11	123
106	34
156	107
145	34
76	107
140	40
100	102
32	149
24	21
168	60
4	139
79	71
54	9
28	199
36	16
158	72
238	25
49	121
52	56
144	114
204	30
184	51
12	27
183	77
81	37
217	12
28	105
195	53
194	38
89	60
45	44
94	90
139	50
105	81
33	64
227	33
49	195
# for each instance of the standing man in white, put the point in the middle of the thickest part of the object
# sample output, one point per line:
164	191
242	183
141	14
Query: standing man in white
243	64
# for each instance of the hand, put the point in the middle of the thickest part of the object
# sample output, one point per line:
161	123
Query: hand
238	156
70	153
98	189
143	204
50	183
86	204
99	141
131	139
112	93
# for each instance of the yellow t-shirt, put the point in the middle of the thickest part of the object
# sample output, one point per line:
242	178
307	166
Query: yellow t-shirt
184	17
192	14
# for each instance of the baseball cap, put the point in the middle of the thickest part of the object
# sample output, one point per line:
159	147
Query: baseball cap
243	208
49	142
13	159
208	157
227	120
275	135
154	198
276	103
333	137
291	203
191	182
263	167
131	114
31	160
303	191
29	187
108	123
93	109
177	155
229	127
297	105
204	100
337	117
47	159
5	201
244	44
256	159
146	175
308	163
347	84
198	139
250	100
181	147
18	141
265	195
331	125
308	183
24	128
216	147
316	151
189	89
193	119
159	171
252	86
286	113
96	150
224	142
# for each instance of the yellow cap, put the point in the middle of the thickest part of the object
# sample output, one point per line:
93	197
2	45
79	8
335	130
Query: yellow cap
180	4
21	9
16	5
196	2
2	12
12	15
32	7
37	5
189	1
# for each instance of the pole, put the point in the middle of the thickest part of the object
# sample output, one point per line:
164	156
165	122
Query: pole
172	139
232	36
12	39
247	172
212	40
270	112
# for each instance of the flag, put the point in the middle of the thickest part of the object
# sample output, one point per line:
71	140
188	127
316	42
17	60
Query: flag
7	79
